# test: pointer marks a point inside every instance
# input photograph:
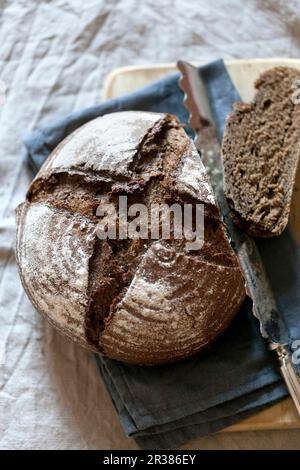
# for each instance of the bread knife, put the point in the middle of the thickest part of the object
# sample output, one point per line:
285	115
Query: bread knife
272	325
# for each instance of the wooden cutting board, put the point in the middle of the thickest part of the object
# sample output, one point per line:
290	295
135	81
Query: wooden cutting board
243	73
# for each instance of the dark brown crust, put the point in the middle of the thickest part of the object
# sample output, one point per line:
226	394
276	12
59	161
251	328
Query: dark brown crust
107	310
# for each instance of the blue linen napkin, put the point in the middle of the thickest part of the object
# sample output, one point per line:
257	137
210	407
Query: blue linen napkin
164	406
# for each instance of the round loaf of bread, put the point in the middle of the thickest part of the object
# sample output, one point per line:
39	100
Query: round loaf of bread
143	301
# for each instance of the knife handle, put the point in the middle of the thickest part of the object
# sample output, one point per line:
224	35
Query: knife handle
290	375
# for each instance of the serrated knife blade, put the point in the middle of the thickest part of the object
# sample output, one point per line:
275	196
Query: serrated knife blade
272	325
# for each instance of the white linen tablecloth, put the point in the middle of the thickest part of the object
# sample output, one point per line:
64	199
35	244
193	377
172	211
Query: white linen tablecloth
54	57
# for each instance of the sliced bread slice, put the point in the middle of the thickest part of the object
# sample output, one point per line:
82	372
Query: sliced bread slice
260	154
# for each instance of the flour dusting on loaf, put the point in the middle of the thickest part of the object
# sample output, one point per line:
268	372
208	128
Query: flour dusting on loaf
54	248
194	297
